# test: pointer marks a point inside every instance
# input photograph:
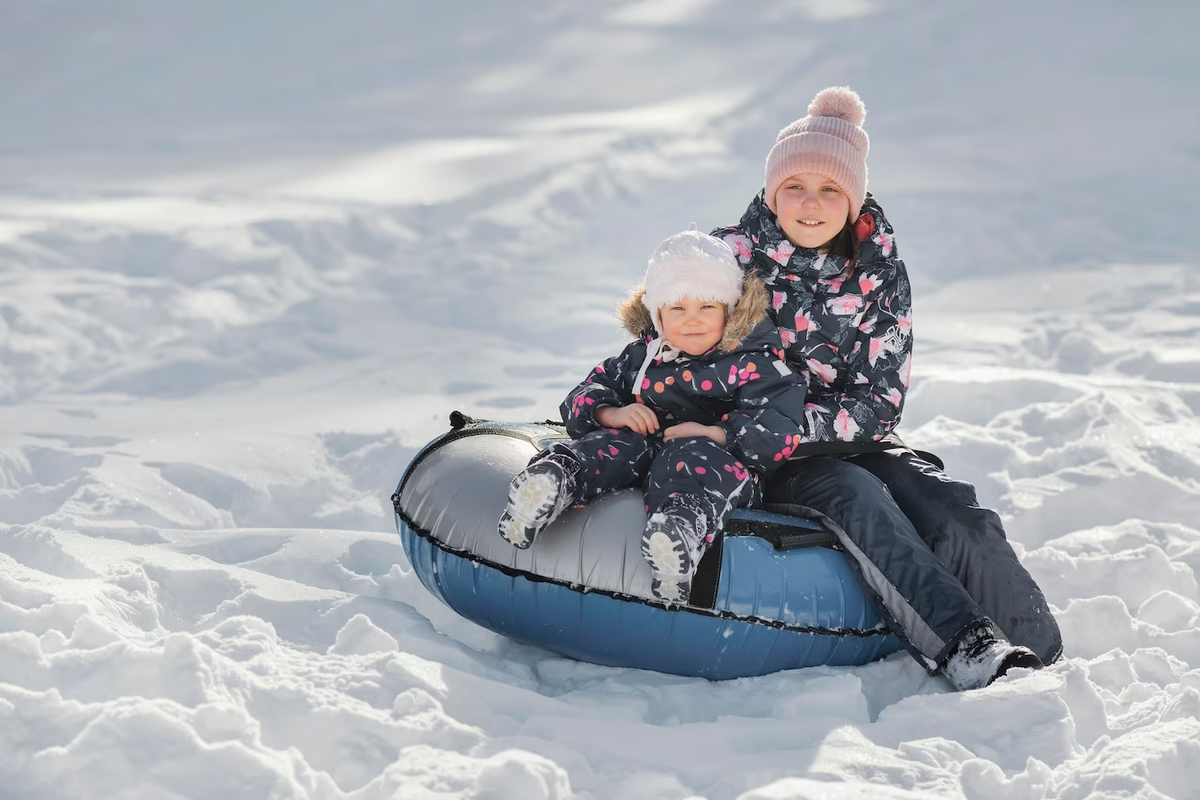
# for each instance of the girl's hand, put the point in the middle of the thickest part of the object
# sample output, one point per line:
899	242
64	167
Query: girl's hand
686	429
635	416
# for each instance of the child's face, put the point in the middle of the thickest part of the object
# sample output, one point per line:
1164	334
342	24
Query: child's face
693	326
812	209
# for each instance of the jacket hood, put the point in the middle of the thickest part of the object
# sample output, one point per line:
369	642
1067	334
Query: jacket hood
750	310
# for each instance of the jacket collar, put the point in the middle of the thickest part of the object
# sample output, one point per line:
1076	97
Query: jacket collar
771	249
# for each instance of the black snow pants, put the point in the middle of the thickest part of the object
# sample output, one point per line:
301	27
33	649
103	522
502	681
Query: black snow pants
934	563
694	476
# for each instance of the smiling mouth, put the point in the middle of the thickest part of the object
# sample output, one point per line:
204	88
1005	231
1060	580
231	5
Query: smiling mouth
810	223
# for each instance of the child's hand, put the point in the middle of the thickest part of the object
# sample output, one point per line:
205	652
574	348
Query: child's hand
636	417
685	429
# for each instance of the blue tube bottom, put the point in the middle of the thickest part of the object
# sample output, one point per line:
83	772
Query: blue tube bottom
810	588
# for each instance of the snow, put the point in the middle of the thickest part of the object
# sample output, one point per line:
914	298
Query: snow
252	255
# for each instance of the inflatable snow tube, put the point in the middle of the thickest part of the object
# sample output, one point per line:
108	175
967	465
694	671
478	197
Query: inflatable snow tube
772	594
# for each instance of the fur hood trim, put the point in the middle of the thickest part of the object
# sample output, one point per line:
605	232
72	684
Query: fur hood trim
750	310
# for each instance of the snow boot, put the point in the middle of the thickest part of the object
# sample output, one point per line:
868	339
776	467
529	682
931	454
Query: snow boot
980	658
536	497
671	546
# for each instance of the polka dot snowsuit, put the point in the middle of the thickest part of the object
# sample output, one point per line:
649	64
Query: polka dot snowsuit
742	385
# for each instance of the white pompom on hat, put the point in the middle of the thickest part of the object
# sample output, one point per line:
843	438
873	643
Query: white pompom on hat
691	264
830	141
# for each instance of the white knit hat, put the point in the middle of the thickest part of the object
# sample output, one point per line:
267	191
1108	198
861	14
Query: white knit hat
692	264
830	141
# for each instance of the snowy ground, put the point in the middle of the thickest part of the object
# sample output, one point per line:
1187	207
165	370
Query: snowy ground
252	255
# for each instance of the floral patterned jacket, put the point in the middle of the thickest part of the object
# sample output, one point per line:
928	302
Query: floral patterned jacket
851	338
742	384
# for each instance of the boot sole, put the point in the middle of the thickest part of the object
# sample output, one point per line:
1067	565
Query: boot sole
532	503
667	556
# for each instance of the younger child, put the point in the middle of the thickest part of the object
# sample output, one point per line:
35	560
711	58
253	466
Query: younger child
695	411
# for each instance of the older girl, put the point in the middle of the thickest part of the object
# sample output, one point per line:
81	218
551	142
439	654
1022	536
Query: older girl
937	566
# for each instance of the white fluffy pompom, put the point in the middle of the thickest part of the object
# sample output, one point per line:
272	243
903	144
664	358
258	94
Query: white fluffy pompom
841	102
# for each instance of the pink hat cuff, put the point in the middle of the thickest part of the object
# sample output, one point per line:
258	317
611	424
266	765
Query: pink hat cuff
823	154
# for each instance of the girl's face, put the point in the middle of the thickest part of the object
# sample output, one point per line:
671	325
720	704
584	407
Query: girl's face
812	210
693	326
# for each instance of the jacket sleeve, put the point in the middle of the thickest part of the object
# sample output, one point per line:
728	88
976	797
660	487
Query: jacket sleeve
766	426
609	384
877	368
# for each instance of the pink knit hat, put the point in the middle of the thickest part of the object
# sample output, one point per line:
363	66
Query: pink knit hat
830	141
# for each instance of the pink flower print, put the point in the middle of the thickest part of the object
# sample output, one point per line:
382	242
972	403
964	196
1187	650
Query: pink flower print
740	246
834	284
788	337
906	370
700	470
860	379
783	254
777	300
845	426
733	373
904	323
846	305
613	449
600	369
876	350
705	385
895	397
868	283
826	373
645	384
884	241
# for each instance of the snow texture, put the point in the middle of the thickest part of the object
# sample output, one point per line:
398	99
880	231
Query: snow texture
251	255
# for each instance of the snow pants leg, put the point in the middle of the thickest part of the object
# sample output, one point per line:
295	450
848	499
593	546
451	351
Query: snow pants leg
601	461
910	587
970	541
700	479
